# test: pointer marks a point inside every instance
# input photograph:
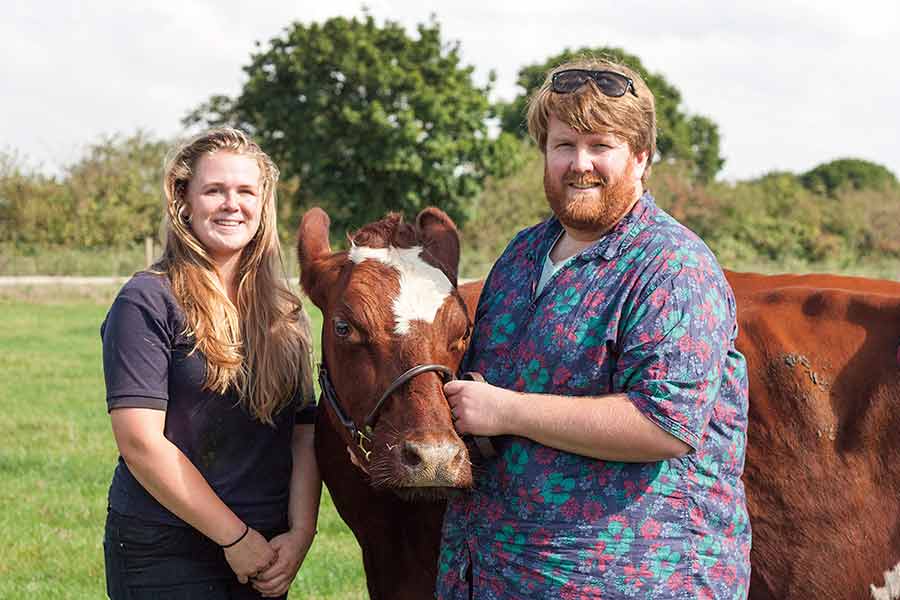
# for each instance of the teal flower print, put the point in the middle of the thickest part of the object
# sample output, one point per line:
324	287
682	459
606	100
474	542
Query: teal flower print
516	459
662	483
503	328
566	300
617	538
664	562
589	332
510	540
557	489
535	376
708	550
707	471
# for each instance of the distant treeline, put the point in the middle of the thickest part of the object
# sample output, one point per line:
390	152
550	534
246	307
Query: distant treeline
843	215
840	215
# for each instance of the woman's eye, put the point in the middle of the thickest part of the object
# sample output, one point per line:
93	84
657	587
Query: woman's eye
341	328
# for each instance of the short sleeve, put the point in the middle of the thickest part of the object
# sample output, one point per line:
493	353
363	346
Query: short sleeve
136	354
306	415
673	354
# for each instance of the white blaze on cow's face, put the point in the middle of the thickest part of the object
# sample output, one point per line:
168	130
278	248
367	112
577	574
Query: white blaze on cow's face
423	288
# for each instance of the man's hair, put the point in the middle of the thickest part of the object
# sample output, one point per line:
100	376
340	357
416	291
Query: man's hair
259	346
587	109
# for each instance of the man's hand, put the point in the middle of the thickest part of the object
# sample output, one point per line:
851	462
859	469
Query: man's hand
290	549
480	408
250	556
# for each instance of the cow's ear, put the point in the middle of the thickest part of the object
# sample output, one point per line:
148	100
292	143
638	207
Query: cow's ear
441	239
313	249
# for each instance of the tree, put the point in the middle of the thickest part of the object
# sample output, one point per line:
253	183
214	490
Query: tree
680	136
111	196
116	191
368	118
32	206
849	173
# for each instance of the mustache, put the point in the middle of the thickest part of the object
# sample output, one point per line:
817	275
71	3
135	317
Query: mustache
586	179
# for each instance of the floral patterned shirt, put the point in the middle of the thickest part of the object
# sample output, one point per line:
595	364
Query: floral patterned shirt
647	312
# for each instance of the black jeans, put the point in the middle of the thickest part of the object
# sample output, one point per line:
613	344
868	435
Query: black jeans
147	561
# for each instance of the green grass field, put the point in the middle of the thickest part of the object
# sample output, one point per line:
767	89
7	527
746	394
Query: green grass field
57	456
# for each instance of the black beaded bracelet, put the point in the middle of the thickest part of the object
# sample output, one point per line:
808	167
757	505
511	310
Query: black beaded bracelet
243	535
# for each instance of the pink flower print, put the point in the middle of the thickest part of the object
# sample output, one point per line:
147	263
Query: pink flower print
651	529
697	519
726	573
529	578
658	370
529	498
540	537
592	511
572	591
637	577
659	297
544	455
570	508
599	557
635	489
678	583
494	511
702	349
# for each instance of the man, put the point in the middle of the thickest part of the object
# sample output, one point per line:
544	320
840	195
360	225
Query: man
606	337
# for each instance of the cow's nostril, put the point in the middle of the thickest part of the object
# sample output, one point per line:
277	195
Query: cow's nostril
410	455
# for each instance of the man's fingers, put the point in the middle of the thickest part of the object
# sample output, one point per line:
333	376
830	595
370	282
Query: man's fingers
454	387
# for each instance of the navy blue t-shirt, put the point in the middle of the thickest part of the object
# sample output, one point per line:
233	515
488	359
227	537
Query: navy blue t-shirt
148	362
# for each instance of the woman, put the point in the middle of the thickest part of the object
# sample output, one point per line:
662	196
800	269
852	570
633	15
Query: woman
208	385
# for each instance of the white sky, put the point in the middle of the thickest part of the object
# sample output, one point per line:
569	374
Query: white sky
790	83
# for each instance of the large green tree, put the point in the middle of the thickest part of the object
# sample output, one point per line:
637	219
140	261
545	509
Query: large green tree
680	136
368	118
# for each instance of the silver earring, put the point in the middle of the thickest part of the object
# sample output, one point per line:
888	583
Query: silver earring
184	218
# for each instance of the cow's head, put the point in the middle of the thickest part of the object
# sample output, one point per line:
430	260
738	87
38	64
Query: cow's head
388	304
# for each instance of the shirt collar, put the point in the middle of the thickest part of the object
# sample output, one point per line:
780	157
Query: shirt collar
613	243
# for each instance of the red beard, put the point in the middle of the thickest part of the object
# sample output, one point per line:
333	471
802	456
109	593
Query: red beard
587	212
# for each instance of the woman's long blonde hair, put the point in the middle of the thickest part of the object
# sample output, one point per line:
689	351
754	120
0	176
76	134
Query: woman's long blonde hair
259	346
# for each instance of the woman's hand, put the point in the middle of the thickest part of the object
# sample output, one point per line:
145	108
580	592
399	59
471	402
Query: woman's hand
251	556
290	549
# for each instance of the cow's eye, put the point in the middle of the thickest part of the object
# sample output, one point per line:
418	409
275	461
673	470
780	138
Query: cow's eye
342	328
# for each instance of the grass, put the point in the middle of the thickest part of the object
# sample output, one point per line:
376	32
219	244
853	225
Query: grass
57	456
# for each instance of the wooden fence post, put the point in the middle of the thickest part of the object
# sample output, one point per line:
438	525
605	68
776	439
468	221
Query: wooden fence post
148	250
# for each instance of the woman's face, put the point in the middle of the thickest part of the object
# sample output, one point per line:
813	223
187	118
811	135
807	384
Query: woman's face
224	203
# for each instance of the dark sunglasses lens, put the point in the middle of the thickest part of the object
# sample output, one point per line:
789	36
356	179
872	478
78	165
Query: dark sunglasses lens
567	82
611	84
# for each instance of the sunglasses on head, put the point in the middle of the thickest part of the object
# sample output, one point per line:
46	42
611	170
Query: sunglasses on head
609	82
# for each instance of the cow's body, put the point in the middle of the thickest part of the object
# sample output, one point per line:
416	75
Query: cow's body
822	471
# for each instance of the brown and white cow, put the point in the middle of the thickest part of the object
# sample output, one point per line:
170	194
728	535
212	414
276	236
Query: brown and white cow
388	304
823	458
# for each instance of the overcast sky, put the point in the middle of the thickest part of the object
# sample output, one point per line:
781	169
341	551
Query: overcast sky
790	83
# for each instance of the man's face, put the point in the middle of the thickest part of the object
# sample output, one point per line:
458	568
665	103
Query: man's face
591	179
